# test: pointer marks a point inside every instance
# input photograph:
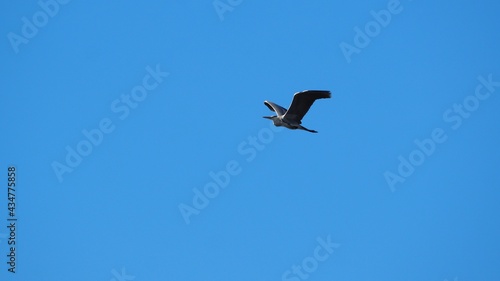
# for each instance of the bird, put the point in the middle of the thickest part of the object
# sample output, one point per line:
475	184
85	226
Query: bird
292	118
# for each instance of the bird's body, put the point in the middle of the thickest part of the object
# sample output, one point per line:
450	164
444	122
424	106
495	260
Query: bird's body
292	118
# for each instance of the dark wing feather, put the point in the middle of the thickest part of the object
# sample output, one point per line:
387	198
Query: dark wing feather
276	108
301	103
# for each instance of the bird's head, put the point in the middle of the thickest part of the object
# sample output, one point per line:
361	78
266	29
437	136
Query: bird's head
269	117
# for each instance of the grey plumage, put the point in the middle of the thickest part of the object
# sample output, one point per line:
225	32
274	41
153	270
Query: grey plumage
292	118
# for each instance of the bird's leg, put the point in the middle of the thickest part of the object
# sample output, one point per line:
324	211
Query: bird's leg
306	129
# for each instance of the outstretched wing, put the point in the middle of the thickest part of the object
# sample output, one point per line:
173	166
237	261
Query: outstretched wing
301	103
276	108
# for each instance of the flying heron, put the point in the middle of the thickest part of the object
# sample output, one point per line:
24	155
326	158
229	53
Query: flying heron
301	103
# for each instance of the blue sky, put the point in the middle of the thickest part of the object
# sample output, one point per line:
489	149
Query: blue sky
141	153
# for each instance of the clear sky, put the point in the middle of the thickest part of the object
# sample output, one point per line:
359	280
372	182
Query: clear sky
140	150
